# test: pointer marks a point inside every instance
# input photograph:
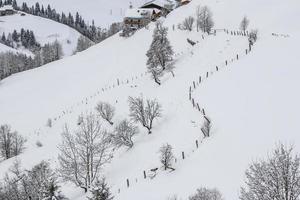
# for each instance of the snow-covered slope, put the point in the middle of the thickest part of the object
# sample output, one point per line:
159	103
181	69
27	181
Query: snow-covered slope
102	11
253	102
46	31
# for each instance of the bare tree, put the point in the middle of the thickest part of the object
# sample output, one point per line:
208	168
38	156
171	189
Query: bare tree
204	20
198	17
144	113
278	177
206	128
124	133
106	111
244	24
167	156
84	152
49	123
188	23
206	194
11	143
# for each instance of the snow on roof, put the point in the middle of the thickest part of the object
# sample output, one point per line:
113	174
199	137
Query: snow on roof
138	13
161	3
6	7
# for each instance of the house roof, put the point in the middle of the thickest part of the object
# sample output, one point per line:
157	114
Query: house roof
139	13
160	3
6	7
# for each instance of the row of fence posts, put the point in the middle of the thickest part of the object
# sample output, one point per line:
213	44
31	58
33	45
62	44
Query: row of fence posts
144	172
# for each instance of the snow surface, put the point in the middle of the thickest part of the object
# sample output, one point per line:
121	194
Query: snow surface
104	12
45	30
253	102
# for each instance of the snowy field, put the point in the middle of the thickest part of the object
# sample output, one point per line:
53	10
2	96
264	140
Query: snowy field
253	102
102	11
45	30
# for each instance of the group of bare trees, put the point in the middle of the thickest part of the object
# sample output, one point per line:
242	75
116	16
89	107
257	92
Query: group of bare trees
11	143
84	151
160	54
203	20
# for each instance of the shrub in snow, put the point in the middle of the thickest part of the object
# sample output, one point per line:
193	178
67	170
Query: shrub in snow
188	23
144	113
253	37
89	145
244	24
100	191
11	143
277	177
204	19
123	134
106	111
160	54
206	127
206	194
166	156
49	123
39	144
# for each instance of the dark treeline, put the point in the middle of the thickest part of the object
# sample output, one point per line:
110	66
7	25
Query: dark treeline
96	34
25	38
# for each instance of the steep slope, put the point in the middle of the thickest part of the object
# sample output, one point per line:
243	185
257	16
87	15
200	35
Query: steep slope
240	99
46	31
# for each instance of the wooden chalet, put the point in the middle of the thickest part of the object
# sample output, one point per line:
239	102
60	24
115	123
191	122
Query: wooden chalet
7	10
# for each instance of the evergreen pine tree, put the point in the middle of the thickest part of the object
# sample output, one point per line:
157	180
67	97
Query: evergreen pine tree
100	191
160	53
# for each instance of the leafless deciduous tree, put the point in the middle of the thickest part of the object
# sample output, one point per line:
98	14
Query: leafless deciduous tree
206	128
106	111
188	23
144	113
124	133
244	24
206	194
84	152
11	143
278	177
204	19
166	156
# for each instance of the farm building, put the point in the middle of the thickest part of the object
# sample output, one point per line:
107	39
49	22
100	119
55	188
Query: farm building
164	6
137	18
7	10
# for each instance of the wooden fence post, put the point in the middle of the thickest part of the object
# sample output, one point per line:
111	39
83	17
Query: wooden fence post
206	74
183	157
217	68
237	56
203	111
198	107
197	144
190	96
145	175
127	182
199	79
118	82
246	51
194	84
193	102
226	62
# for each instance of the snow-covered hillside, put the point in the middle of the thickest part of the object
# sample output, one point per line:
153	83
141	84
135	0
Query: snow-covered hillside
102	11
253	102
45	30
